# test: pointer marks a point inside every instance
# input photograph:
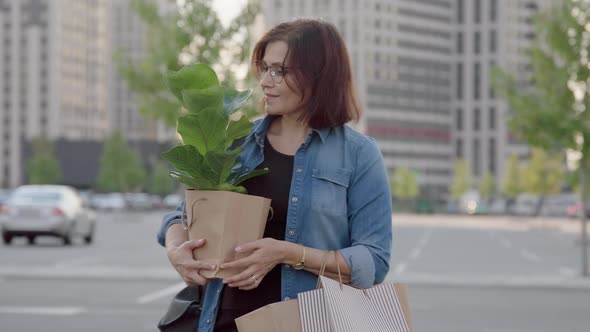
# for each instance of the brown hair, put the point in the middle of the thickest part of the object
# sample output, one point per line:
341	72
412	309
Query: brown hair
321	66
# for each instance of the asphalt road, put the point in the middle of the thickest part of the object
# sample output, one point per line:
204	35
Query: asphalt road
465	274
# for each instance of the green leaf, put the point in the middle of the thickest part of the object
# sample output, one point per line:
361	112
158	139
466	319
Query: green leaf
254	173
185	158
192	182
237	129
196	76
204	130
229	187
234	99
198	100
220	164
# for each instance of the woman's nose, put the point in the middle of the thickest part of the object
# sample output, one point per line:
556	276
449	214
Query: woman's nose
266	80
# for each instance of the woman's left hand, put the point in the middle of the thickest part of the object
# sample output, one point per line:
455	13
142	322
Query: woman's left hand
265	254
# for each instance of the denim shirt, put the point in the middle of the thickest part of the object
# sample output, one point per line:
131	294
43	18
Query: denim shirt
339	200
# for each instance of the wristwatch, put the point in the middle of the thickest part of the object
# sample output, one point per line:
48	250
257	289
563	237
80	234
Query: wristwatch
299	266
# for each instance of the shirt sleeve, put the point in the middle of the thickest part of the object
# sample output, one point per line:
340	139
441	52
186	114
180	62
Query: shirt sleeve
169	220
370	215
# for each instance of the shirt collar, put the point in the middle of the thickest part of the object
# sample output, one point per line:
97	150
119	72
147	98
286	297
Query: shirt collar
260	128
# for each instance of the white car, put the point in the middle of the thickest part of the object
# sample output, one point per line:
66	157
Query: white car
37	210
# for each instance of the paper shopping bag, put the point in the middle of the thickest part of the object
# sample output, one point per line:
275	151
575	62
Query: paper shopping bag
224	219
340	308
275	317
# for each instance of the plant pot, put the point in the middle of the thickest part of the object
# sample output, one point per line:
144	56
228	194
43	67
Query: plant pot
224	219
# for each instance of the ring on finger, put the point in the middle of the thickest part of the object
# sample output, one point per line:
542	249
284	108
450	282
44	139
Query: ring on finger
254	278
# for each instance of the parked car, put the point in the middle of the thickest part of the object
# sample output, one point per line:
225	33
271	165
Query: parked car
110	201
139	201
172	201
557	205
38	210
525	205
4	194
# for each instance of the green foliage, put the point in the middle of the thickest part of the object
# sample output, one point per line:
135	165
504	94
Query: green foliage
512	183
194	34
43	167
404	184
204	162
160	183
462	180
487	187
543	175
121	168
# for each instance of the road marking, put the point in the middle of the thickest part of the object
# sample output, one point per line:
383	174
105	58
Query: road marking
567	271
54	311
77	261
529	256
399	269
505	243
421	244
160	294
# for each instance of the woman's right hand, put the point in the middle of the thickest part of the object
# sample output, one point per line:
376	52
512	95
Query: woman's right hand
187	267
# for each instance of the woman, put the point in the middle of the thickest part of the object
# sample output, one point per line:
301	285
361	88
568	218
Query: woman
328	183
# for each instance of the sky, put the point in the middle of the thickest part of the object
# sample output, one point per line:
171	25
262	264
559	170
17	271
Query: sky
228	9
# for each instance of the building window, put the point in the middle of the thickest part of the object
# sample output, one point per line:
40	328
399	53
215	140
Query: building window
492	118
492	156
476	119
477	11
459	119
493	9
460	11
477	42
459	42
493	41
459	149
476	80
492	92
476	160
459	81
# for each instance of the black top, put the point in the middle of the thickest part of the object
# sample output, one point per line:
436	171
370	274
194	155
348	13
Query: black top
275	185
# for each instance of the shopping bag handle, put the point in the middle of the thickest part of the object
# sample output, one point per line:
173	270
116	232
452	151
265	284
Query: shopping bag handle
188	224
323	267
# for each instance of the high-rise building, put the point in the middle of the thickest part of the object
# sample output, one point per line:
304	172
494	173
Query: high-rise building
54	65
422	71
488	33
401	57
58	77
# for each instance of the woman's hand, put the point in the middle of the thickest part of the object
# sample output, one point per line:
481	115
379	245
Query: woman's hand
265	254
187	267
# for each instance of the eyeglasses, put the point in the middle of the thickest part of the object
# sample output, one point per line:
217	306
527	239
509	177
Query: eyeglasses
277	72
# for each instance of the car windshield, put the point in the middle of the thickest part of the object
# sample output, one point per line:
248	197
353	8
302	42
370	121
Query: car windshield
35	197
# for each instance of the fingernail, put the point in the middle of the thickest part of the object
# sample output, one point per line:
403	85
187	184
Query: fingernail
221	266
238	249
213	267
200	241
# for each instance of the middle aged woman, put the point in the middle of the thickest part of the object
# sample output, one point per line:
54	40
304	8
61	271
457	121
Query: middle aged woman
327	182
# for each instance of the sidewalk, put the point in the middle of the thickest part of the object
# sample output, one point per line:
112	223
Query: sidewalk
513	223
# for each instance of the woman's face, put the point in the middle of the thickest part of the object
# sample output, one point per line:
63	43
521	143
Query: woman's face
279	98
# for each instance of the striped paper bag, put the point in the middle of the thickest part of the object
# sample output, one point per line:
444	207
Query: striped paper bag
340	308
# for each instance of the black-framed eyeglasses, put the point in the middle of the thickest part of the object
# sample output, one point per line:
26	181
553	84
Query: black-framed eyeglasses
277	72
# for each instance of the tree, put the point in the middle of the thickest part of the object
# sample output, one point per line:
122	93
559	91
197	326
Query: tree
160	182
511	185
121	169
404	184
462	180
43	167
487	187
542	176
192	35
553	111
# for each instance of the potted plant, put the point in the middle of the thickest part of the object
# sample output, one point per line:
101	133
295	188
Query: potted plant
217	208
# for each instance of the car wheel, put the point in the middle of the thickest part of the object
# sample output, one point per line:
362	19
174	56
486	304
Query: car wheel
88	238
67	239
31	239
6	238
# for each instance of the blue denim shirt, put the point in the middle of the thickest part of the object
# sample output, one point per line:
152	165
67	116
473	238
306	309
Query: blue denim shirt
339	200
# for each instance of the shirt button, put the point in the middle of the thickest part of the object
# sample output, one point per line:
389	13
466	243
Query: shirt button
294	199
287	298
246	169
291	232
208	321
299	170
